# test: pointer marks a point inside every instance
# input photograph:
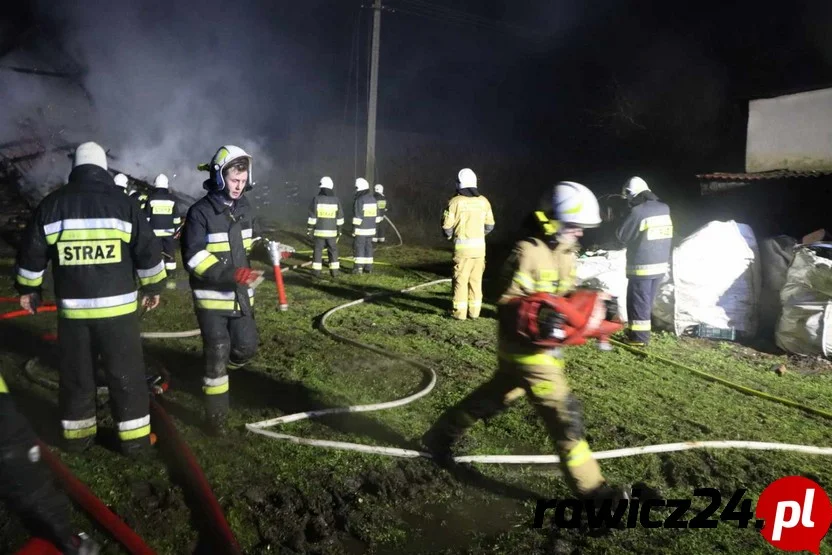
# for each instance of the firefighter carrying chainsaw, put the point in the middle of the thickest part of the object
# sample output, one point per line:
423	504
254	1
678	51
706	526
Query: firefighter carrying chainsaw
539	314
163	212
216	242
324	222
98	242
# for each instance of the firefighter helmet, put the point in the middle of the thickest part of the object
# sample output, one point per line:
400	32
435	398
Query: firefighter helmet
225	156
161	181
379	189
326	183
634	187
568	203
90	153
466	178
361	184
121	180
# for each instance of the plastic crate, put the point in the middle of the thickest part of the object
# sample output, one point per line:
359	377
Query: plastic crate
709	332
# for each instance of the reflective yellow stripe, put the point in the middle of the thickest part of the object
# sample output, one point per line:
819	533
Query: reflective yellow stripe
94	313
640	325
87	234
155	278
223	246
647	269
538	359
362	232
213	304
579	454
203	266
81	433
356	221
655	221
233	366
544	287
325	233
247	243
524	280
215	389
29	282
134	434
542	389
3	387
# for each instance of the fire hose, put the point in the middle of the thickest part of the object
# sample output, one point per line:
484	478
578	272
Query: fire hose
261	427
192	472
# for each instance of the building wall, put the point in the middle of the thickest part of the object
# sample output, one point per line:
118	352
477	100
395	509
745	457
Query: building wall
790	132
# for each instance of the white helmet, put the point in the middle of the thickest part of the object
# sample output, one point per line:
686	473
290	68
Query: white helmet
466	178
161	181
634	187
574	204
90	153
379	189
224	156
326	183
121	180
361	184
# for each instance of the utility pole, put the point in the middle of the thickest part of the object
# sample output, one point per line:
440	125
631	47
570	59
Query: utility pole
371	111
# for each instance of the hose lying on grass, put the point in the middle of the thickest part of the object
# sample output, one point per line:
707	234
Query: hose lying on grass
262	426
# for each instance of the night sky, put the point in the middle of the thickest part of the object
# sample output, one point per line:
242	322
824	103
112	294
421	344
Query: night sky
524	92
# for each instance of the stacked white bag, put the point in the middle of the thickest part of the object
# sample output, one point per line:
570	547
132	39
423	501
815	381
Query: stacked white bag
805	325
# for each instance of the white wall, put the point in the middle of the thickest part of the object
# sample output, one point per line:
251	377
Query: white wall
790	132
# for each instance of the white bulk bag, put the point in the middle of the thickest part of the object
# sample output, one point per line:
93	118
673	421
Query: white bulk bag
715	280
606	271
804	324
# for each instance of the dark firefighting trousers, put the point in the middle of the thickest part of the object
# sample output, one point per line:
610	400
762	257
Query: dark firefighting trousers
363	249
169	249
379	238
641	292
117	340
26	484
331	245
228	343
541	377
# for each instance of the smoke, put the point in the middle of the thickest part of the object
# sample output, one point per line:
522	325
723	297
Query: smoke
163	85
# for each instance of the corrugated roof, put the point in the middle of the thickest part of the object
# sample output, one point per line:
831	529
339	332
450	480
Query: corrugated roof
757	176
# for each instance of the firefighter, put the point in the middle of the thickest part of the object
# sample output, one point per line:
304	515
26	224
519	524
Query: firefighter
467	220
364	213
324	223
216	241
98	241
647	232
381	203
121	181
26	484
543	262
163	212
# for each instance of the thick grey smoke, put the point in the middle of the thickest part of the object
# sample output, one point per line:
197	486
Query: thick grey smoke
168	84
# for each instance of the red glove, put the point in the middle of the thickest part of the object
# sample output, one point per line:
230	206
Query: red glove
248	277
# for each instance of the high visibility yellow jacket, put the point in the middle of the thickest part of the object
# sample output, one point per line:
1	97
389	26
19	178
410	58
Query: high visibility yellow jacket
467	220
535	267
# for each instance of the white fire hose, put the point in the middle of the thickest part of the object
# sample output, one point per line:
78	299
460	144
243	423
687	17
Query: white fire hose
262	426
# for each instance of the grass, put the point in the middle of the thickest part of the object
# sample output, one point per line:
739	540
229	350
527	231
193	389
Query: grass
281	497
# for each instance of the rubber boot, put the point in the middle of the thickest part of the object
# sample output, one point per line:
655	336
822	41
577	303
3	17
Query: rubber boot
316	273
333	273
217	425
358	270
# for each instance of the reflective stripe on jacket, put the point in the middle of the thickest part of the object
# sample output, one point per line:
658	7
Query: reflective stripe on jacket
216	241
99	243
647	233
467	220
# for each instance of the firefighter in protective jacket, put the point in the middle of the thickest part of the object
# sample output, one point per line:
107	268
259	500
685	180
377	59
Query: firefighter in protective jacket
647	232
163	212
364	215
26	484
216	242
324	223
541	263
98	242
383	207
467	220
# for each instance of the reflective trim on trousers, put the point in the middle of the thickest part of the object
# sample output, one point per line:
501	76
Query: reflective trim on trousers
325	233
215	386
640	325
643	270
79	429
363	259
579	454
134	429
365	232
